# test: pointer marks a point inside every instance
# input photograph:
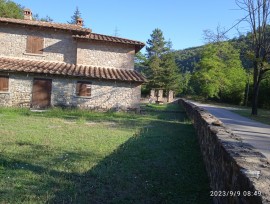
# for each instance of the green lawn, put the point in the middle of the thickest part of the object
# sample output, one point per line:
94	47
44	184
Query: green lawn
72	156
263	115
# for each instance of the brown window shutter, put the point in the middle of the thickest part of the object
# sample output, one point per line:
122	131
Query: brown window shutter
29	43
83	88
34	45
4	83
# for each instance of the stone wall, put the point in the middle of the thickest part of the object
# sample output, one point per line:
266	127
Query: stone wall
232	165
105	54
104	94
58	45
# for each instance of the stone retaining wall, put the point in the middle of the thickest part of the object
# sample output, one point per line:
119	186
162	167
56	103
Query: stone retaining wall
233	166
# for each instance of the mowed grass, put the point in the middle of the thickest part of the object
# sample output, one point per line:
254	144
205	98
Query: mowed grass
263	115
73	156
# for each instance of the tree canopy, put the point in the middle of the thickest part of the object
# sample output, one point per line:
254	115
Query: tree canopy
220	73
77	14
10	9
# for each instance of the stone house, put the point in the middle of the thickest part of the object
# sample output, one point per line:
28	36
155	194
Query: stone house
46	64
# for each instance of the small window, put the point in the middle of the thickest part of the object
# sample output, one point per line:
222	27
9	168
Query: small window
4	83
34	45
83	88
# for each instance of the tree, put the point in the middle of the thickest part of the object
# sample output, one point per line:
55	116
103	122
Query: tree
75	16
258	17
45	19
9	9
220	73
161	70
156	45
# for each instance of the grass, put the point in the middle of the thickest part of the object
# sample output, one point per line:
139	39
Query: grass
263	115
74	156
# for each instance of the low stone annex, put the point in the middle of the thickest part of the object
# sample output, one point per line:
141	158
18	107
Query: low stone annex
44	64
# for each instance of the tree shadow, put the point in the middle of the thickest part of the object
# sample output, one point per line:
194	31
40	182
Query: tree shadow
160	163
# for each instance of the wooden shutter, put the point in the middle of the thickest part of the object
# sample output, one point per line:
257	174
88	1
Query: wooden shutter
4	83
34	45
83	88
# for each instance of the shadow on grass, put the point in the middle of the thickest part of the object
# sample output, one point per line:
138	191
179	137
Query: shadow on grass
161	163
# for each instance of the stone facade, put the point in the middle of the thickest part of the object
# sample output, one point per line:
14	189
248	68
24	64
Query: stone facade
237	172
104	94
105	54
58	45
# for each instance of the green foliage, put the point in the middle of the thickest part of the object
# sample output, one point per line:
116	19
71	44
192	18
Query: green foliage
10	9
264	96
159	66
220	73
187	59
45	19
156	44
77	14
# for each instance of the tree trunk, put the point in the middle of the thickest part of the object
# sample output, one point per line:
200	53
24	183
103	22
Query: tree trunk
255	99
255	89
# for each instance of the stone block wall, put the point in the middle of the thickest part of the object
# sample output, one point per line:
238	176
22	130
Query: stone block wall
104	94
58	45
20	92
235	169
105	54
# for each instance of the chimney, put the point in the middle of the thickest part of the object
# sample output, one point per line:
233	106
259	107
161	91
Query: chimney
79	22
27	13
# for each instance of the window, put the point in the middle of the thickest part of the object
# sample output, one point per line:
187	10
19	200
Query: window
34	45
83	88
4	83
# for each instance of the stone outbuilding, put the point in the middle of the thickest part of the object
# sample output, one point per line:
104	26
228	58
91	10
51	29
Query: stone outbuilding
45	64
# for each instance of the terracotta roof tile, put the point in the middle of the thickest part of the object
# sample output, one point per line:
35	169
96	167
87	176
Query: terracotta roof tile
64	69
95	36
60	26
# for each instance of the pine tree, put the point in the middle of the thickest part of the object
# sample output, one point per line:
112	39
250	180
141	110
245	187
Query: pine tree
162	71
157	44
76	15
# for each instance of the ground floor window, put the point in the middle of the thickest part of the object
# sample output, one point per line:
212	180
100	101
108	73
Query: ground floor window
4	83
83	88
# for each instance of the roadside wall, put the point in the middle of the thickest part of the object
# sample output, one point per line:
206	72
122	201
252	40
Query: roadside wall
238	174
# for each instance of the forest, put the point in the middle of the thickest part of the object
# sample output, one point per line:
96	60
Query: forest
217	71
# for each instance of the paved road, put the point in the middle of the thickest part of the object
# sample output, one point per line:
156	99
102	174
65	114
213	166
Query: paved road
253	133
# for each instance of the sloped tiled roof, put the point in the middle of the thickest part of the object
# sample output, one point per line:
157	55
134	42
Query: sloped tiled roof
60	26
64	69
95	36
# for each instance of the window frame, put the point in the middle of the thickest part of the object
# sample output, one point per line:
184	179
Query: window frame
7	83
89	89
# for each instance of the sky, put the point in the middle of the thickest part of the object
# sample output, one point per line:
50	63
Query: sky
182	21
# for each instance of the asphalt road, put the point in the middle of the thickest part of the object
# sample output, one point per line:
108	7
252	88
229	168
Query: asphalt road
252	132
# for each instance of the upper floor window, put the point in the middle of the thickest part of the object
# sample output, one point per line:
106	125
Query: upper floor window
34	45
4	83
83	88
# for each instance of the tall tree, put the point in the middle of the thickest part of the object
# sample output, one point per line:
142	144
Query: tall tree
10	9
220	73
156	45
77	14
258	18
161	70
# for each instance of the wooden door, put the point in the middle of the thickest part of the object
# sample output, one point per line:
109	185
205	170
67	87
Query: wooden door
41	96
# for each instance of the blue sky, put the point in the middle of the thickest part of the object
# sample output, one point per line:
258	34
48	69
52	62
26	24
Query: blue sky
181	21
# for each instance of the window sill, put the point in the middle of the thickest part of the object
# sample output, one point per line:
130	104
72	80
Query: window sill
33	54
4	92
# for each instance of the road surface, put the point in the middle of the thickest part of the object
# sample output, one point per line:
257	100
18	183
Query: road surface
252	132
